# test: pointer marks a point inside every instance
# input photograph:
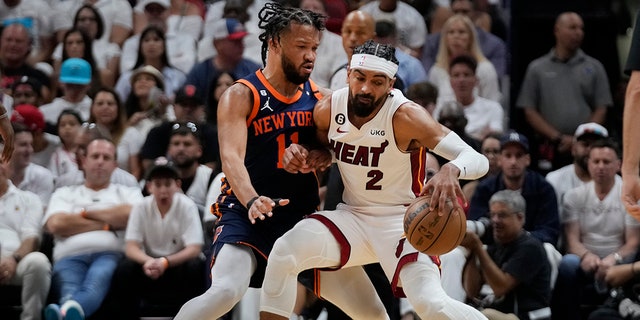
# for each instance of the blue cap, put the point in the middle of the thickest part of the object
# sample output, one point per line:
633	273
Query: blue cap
513	137
75	71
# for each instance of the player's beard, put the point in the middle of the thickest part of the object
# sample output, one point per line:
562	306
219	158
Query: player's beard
291	72
362	109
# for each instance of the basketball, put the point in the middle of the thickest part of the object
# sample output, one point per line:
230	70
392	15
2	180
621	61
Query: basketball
431	233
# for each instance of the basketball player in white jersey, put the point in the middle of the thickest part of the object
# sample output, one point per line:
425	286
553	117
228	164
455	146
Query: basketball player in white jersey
378	139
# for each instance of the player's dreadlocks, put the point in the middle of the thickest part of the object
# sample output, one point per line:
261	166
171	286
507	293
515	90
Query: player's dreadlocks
384	51
274	18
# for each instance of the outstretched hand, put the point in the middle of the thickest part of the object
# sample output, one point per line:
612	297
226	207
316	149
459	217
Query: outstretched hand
262	207
444	187
631	195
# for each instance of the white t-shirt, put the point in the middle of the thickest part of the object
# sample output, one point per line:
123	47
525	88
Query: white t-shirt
410	25
330	56
103	52
51	111
43	157
71	200
38	180
563	180
481	114
198	189
191	24
62	161
602	223
160	236
129	145
119	176
487	87
20	218
114	12
181	52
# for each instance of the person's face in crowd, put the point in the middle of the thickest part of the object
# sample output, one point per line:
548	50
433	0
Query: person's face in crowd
580	152
152	46
184	150
99	163
74	90
188	111
313	5
23	149
156	14
462	79
68	128
230	50
491	149
74	45
569	31
87	21
463	7
357	28
299	54
458	38
603	165
514	161
142	84
224	82
367	91
24	94
104	108
506	223
14	44
163	189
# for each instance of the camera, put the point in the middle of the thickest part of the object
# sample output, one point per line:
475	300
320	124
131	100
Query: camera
479	226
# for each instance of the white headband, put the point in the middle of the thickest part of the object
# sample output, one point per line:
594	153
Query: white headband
373	63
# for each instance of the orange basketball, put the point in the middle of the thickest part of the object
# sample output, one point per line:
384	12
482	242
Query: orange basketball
431	233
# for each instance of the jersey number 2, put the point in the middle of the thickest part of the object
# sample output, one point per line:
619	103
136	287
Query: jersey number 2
282	144
375	175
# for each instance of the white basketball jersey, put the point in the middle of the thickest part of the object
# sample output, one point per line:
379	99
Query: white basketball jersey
374	170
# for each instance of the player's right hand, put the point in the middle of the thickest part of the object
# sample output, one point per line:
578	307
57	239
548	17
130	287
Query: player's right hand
294	159
263	206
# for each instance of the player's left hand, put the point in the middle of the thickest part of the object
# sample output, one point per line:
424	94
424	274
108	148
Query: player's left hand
444	187
262	207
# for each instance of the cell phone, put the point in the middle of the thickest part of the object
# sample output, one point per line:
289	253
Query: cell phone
154	101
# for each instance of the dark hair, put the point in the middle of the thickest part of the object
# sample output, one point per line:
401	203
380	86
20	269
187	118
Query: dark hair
98	18
385	51
466	60
120	125
19	127
70	112
274	19
424	90
607	143
211	107
185	128
86	55
385	28
160	33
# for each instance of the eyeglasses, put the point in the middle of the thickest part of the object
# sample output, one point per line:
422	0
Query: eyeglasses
90	126
189	125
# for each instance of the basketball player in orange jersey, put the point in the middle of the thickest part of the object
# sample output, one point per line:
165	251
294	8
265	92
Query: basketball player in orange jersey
258	117
378	138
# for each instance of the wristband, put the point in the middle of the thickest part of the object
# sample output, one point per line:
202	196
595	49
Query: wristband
165	262
250	202
106	227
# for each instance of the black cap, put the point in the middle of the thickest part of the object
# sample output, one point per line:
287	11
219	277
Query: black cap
162	169
30	81
189	94
515	138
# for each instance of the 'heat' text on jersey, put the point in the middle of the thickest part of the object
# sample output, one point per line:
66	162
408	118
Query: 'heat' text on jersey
358	155
283	120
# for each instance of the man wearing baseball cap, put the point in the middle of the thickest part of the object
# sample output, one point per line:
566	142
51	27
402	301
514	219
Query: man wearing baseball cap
228	35
44	144
577	174
75	79
542	206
